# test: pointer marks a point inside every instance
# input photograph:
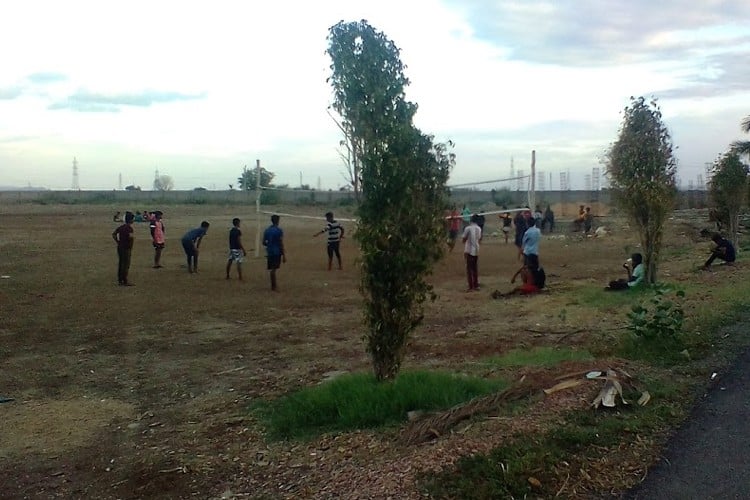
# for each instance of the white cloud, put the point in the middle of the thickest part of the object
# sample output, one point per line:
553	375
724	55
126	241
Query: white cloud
240	80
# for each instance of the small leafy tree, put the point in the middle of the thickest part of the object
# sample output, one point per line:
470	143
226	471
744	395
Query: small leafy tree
641	169
247	181
404	174
728	190
163	183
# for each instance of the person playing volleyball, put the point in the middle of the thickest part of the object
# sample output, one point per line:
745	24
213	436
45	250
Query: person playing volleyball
236	250
273	240
335	234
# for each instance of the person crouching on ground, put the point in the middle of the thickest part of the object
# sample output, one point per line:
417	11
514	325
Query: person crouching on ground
723	250
191	242
636	274
471	238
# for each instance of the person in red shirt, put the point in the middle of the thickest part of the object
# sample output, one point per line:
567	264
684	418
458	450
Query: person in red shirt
124	238
454	226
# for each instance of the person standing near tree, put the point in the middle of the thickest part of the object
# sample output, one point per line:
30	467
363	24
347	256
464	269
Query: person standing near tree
471	238
123	235
335	234
273	240
191	242
157	237
236	250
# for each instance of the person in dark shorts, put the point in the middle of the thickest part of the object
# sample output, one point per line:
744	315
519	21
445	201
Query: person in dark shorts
123	235
191	242
335	234
273	240
157	237
723	250
236	250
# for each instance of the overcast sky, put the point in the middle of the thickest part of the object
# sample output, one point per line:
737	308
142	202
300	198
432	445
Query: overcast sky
199	89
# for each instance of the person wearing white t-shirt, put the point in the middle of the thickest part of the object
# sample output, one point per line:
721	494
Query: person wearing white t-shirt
471	238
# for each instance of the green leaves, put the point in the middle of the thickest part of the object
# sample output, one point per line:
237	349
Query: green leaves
403	174
659	318
642	169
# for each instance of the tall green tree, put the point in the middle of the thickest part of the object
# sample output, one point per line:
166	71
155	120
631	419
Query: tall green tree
247	181
742	148
641	168
728	188
403	173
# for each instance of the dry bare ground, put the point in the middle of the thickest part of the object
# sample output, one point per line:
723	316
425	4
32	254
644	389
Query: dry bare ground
142	392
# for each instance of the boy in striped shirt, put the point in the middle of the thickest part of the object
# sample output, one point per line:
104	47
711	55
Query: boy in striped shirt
335	234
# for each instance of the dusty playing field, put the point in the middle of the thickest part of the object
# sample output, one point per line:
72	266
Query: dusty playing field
142	392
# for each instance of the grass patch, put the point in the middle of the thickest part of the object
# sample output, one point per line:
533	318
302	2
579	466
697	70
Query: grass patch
540	356
358	401
552	456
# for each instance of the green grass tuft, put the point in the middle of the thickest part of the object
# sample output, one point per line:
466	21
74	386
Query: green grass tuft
358	401
540	356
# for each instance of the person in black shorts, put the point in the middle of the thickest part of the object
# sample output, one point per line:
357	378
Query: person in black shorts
335	234
236	250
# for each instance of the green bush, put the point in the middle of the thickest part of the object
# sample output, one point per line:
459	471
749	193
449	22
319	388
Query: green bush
659	317
358	401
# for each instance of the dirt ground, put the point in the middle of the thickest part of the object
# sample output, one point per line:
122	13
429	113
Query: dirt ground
142	392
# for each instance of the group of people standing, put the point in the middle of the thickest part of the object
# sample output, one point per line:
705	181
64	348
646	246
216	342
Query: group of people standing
528	236
273	241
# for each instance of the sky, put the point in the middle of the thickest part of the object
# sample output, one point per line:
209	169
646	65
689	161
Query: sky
197	89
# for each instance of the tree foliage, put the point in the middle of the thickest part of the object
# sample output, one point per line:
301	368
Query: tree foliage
728	188
163	183
641	169
247	181
403	173
742	148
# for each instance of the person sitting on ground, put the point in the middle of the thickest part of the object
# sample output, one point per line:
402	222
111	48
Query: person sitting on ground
533	278
636	274
588	220
117	217
723	250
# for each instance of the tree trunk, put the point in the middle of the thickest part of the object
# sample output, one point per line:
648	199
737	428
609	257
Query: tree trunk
734	226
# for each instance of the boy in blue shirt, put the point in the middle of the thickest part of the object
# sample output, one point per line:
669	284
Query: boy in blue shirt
273	240
191	241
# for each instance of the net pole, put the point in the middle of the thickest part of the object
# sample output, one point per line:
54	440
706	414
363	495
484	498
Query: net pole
532	190
257	208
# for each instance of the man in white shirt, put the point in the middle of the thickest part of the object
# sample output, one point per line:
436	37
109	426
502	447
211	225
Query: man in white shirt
471	238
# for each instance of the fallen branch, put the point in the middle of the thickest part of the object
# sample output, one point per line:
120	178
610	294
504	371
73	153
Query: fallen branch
434	426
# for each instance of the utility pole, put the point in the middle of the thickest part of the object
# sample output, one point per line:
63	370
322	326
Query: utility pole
75	186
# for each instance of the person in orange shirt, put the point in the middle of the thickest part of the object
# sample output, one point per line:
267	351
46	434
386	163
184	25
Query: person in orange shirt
454	226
